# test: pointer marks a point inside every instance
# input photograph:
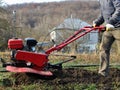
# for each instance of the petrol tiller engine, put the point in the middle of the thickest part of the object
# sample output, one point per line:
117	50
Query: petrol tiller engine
25	59
18	44
23	53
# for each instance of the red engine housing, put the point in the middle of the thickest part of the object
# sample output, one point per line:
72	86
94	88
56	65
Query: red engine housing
15	43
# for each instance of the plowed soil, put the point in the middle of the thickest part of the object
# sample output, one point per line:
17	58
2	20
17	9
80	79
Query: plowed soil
71	76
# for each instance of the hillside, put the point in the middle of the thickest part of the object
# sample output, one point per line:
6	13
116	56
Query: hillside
45	16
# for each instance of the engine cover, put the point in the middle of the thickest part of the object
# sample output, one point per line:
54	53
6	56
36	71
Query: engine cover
30	42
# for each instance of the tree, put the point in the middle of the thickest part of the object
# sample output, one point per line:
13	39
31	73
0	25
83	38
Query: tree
4	27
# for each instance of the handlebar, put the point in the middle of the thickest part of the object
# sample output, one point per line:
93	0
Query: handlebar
75	36
100	28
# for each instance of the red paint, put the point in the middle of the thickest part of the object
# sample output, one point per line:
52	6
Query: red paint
28	70
38	59
15	43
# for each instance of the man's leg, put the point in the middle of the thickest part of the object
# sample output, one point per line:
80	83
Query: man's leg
107	40
116	35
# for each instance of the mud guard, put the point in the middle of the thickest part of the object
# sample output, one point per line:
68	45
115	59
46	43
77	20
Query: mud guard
28	70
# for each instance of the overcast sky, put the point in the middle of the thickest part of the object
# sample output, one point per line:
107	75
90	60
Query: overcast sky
27	1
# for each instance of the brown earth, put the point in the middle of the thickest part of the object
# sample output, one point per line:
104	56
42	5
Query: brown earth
71	76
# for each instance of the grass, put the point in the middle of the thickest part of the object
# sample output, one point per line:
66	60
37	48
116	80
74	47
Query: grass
53	87
8	83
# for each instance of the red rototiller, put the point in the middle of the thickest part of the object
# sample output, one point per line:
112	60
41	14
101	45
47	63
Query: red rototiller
25	59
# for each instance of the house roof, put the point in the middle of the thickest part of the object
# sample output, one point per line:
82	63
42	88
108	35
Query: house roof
72	24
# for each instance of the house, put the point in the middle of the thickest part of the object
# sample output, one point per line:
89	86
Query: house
68	27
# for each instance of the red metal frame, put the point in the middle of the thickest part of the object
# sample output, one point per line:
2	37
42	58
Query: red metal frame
40	60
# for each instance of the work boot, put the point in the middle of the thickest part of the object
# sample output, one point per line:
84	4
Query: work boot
103	74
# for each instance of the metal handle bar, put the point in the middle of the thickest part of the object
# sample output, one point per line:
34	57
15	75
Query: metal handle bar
74	37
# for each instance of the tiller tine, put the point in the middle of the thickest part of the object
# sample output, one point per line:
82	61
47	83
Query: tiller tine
28	70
